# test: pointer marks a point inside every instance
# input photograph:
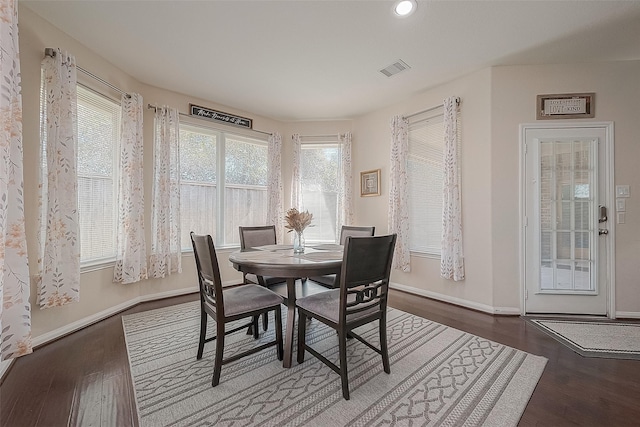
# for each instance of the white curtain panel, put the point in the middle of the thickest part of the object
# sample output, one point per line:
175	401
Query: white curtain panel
15	310
131	256
59	261
398	192
166	256
452	259
296	178
346	185
275	212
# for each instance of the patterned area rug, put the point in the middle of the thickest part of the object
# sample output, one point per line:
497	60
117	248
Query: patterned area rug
439	376
595	339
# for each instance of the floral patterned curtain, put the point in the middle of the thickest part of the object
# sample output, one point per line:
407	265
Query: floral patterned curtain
296	178
59	260
166	255
452	259
274	185
15	310
345	213
398	192
131	256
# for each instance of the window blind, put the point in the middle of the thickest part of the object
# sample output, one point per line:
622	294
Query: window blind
425	175
98	135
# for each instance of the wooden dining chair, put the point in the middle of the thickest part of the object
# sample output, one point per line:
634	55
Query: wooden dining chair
346	231
230	304
251	237
361	299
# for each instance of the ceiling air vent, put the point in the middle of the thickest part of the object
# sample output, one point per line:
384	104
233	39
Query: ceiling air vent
394	68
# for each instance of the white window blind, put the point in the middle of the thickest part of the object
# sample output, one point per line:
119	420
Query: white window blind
321	172
98	135
425	175
212	160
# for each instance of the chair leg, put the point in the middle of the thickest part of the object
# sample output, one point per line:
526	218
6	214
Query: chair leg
254	327
265	321
342	346
203	333
217	363
302	332
278	319
384	349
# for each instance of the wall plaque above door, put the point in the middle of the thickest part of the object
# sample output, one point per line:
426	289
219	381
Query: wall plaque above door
565	106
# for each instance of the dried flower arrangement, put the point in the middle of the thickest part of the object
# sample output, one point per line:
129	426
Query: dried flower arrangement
297	221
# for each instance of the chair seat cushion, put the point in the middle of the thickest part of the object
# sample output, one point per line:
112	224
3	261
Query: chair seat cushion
327	305
248	298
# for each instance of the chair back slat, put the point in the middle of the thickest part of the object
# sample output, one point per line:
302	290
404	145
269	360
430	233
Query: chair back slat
364	279
208	271
251	237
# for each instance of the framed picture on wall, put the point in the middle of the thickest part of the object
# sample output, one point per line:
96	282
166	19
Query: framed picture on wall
370	183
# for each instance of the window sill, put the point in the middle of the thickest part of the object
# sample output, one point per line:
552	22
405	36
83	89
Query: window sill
425	255
96	265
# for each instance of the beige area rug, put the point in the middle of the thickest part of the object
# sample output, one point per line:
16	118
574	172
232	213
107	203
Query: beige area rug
439	376
595	339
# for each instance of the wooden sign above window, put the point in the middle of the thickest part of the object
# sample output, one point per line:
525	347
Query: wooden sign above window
565	106
219	116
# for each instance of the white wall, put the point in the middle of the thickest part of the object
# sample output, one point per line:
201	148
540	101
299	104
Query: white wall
494	102
372	150
617	90
98	294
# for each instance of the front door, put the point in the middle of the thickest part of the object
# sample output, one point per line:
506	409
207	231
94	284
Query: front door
566	218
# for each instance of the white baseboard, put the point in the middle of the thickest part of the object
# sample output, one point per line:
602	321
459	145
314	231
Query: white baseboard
94	318
511	311
627	315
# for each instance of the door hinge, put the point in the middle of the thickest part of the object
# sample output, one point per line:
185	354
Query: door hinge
526	294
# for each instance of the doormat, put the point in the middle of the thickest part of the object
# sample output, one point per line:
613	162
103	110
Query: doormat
611	340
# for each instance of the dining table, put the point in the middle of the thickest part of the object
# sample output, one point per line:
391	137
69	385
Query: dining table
281	261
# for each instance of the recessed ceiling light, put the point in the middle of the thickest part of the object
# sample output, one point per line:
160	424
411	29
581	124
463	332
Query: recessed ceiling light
404	8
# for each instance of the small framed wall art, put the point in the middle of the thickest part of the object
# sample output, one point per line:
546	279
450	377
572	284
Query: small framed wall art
370	183
565	106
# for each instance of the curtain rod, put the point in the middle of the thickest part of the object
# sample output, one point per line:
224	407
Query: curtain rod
429	109
155	107
49	51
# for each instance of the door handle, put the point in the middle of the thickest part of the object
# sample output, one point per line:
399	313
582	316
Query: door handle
603	231
602	213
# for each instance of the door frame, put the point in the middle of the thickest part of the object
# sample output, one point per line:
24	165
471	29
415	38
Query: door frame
608	198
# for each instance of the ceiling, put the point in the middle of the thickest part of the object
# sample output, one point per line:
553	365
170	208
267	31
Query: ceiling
316	60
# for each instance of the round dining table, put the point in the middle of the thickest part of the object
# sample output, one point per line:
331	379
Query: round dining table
280	261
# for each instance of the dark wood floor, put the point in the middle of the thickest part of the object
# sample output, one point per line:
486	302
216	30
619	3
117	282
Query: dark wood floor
83	378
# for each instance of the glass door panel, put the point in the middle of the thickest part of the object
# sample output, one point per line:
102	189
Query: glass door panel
566	211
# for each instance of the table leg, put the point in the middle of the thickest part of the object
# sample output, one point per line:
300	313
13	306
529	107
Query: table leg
291	322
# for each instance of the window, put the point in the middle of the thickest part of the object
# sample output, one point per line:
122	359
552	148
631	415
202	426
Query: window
210	160
320	170
98	135
425	175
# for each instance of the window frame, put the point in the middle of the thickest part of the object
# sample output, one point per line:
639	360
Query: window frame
422	121
318	142
98	263
222	135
